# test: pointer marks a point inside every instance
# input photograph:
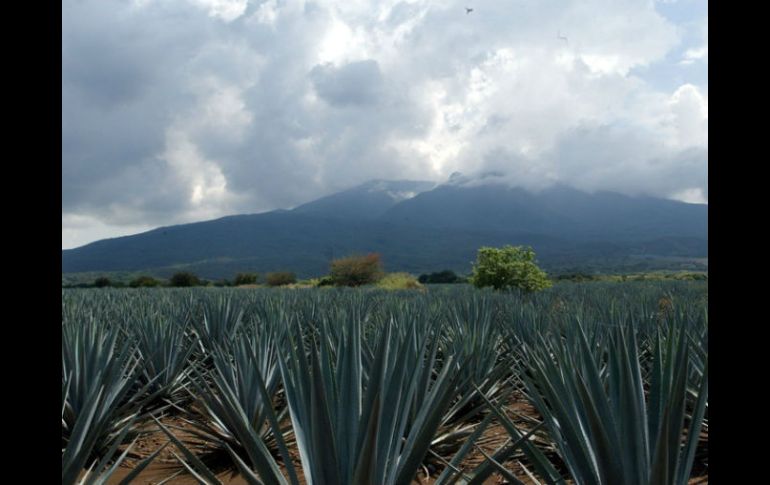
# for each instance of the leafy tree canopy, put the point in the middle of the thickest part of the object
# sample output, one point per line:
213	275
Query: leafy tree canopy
509	267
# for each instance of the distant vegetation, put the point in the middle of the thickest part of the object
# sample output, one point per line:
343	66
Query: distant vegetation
399	281
509	267
424	279
357	270
323	281
245	279
144	282
102	282
446	276
645	276
280	278
184	279
500	268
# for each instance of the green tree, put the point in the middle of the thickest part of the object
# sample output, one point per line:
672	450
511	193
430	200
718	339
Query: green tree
184	279
509	267
245	279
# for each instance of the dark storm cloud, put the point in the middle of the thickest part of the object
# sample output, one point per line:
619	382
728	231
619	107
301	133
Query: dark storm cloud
120	89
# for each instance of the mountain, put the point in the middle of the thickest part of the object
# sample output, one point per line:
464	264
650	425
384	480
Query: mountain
559	211
417	227
366	201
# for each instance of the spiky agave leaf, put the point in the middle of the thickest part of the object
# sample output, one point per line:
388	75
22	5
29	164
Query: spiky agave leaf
98	409
604	427
219	320
165	348
237	406
351	428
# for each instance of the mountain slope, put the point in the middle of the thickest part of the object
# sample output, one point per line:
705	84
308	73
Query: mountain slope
559	211
366	201
280	240
438	228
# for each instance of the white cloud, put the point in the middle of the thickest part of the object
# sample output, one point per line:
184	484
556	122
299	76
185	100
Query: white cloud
689	109
221	111
267	13
77	230
696	54
227	10
691	196
197	108
341	44
205	184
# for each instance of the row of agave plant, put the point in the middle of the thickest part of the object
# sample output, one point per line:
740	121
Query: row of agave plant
368	387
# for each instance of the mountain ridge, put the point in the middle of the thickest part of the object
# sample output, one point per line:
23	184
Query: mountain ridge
420	227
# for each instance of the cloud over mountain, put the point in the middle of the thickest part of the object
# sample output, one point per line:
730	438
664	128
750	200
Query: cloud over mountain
182	110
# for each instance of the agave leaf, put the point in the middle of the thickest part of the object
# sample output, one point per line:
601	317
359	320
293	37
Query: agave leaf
542	465
139	468
693	433
501	469
251	477
199	470
449	472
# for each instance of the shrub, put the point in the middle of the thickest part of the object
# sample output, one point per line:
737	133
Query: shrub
317	282
102	282
446	276
325	281
184	279
399	281
144	282
245	279
578	277
280	278
356	270
509	267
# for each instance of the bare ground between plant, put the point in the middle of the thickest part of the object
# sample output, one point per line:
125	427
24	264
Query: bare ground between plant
493	438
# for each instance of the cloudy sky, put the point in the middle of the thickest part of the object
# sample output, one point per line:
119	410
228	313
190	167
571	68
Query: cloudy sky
183	110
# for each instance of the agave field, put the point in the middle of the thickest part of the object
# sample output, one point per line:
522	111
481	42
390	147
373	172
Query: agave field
596	383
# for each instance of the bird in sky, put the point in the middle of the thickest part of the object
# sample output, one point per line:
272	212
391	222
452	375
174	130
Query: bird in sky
559	36
468	10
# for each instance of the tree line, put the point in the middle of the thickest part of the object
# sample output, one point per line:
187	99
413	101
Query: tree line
500	268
